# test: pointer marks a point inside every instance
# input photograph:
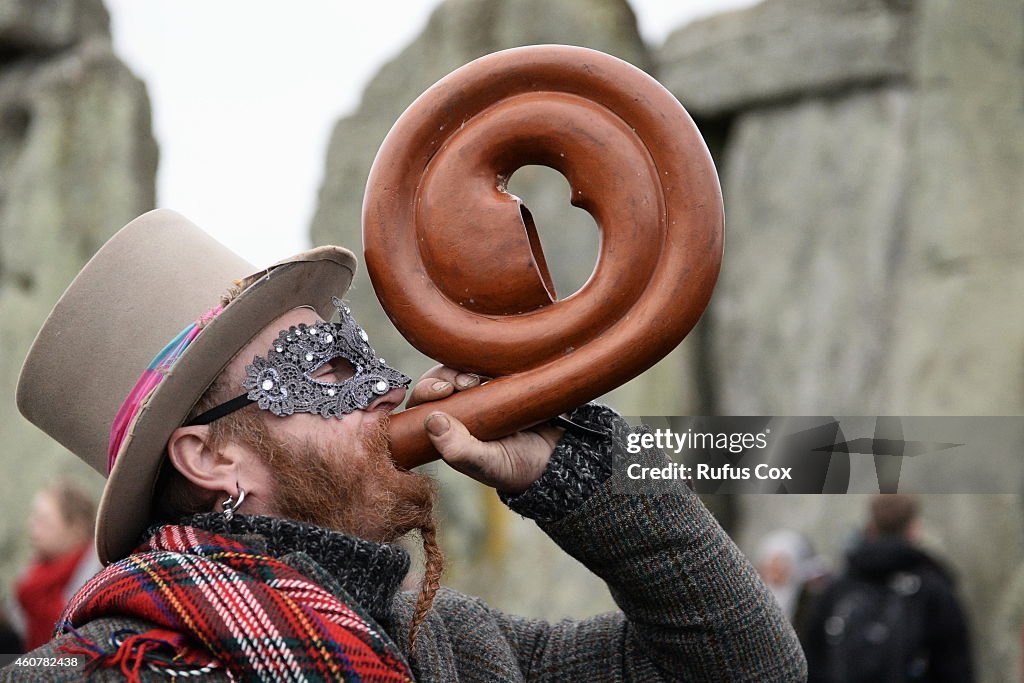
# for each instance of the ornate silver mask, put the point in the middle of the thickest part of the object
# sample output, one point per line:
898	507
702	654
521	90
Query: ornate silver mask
291	378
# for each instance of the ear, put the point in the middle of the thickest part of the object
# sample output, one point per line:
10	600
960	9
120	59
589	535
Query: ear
210	469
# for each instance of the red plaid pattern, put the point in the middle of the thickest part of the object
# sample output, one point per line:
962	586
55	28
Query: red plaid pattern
249	613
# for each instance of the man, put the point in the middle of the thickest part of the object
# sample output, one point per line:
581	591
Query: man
893	616
251	503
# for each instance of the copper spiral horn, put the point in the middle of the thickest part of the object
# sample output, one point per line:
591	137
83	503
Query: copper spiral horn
456	262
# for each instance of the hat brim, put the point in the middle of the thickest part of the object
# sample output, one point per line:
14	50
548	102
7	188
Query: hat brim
311	278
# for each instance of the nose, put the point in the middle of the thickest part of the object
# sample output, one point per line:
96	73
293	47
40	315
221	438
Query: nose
388	401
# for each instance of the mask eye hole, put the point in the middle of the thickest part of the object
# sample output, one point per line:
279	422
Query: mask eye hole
336	370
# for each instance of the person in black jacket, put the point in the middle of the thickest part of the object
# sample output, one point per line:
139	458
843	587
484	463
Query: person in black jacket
893	615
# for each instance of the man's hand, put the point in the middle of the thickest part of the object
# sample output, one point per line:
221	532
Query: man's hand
510	464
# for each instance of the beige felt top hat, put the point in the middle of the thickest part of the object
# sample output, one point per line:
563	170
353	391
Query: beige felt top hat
142	288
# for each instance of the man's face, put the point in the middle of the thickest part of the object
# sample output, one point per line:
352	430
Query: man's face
334	472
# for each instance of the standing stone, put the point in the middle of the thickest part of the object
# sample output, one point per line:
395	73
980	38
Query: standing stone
800	318
489	547
778	51
45	26
960	330
959	333
77	161
872	168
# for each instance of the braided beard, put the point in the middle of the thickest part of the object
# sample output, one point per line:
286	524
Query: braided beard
362	494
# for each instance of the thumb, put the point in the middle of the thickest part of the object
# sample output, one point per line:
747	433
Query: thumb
459	448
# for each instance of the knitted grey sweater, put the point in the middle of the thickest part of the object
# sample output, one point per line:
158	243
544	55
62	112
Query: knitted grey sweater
693	608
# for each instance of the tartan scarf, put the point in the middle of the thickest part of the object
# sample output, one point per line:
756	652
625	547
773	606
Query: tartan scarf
218	604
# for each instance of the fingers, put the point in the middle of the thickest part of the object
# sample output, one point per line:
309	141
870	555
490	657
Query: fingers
429	389
440	382
460	380
463	451
510	464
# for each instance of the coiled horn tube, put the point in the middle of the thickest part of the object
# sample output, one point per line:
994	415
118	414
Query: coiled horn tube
455	259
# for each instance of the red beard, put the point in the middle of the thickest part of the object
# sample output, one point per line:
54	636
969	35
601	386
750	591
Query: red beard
362	493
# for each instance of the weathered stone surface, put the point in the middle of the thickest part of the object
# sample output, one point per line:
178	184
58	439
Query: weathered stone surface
35	26
777	51
77	161
488	544
958	340
801	318
874	263
1005	650
959	337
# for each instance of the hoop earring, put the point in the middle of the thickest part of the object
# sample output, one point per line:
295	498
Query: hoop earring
229	506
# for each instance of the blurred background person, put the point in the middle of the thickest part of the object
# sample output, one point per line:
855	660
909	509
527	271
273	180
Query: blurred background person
793	573
60	531
892	616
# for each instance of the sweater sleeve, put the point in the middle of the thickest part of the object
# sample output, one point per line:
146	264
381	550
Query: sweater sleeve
693	607
580	463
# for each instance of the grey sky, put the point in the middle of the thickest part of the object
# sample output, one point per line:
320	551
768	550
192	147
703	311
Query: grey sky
245	95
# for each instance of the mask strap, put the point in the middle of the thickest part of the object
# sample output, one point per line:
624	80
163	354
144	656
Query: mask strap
217	412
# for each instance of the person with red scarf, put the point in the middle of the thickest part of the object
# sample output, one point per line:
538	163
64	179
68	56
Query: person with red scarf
60	533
